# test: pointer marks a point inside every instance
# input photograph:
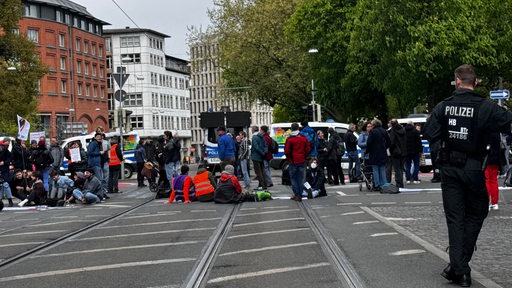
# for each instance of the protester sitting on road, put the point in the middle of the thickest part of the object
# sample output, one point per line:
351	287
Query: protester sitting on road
91	192
37	192
20	185
315	181
228	189
182	187
5	161
60	185
204	183
79	181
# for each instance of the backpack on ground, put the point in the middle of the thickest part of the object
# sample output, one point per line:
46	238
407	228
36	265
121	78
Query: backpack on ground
389	188
274	147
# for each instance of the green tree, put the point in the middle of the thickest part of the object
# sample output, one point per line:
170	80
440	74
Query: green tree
20	69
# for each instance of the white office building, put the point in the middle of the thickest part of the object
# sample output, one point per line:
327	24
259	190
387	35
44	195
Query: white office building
156	92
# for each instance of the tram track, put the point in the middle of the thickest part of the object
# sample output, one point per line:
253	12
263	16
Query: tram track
52	243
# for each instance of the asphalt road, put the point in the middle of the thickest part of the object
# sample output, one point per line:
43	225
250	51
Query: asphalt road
389	240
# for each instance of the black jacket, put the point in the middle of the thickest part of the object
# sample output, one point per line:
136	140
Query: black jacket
413	140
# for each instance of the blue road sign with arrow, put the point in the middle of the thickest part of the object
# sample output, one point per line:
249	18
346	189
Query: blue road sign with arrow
500	94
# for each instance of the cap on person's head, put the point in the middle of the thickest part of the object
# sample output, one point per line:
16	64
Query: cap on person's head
41	143
32	142
230	169
221	128
80	174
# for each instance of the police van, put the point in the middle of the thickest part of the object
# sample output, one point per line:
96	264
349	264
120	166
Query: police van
425	160
130	141
280	131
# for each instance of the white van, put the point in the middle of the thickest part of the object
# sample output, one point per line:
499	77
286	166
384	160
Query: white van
420	119
280	131
130	141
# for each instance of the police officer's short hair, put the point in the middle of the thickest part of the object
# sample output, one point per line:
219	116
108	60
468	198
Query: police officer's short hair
466	74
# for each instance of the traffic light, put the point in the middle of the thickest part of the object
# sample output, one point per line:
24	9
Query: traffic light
127	119
115	122
309	113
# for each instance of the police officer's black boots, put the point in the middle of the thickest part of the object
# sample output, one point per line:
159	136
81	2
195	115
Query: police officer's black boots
10	202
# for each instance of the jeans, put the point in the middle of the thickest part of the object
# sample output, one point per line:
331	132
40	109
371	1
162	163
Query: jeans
296	178
259	169
45	173
104	180
268	175
98	172
379	175
412	161
90	197
353	157
6	189
172	169
245	173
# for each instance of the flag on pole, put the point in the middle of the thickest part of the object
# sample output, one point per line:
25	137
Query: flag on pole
23	128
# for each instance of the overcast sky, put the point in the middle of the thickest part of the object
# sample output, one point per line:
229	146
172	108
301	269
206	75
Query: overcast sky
171	17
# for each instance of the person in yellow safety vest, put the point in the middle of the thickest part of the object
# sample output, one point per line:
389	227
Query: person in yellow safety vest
114	165
204	183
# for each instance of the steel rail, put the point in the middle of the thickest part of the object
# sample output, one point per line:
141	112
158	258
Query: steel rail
345	271
198	275
17	258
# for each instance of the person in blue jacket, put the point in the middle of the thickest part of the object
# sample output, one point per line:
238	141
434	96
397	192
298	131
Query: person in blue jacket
227	148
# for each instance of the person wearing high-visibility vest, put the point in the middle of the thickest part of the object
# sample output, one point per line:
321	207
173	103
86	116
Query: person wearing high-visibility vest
114	165
204	182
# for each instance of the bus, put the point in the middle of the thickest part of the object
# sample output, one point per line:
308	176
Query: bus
425	160
279	131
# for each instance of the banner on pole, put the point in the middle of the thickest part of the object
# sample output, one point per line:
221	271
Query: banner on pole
23	128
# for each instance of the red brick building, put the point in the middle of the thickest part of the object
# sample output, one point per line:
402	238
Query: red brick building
73	94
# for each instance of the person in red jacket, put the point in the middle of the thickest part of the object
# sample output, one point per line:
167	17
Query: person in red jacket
228	190
183	187
296	149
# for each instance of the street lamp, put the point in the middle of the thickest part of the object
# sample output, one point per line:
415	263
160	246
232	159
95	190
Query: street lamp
313	103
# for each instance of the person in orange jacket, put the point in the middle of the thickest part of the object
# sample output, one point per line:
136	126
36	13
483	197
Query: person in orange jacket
183	187
204	184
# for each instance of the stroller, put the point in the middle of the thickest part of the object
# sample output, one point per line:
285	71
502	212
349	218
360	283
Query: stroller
366	176
151	171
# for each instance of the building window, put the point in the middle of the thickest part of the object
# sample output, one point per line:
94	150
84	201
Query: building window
137	122
78	43
79	67
132	41
87	90
86	66
94	67
79	89
67	18
95	91
33	35
102	92
86	47
133	100
62	40
108	43
101	72
100	51
32	10
58	16
63	86
93	49
134	58
62	63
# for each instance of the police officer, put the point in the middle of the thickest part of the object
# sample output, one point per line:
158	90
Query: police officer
462	123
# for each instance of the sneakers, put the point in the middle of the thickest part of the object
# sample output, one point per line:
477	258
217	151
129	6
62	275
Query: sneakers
494	207
407	182
416	182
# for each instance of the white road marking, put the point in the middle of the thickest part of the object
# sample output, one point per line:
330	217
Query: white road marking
365	222
267	233
349	204
419	202
58	223
352	213
150	215
269	221
384	234
32	233
93	268
267	212
383	203
201	211
407	252
401	219
419	189
341	193
20	244
159	223
117	248
267	272
275	207
143	234
268	248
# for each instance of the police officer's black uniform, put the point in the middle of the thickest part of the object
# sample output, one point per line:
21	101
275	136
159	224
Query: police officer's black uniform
463	123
